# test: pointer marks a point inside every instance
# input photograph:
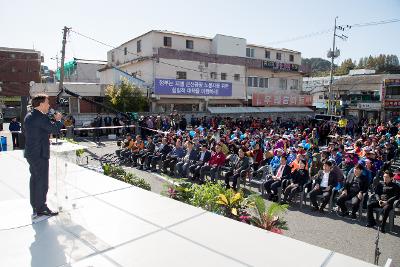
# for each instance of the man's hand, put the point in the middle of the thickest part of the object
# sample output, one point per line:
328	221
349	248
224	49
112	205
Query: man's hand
382	203
359	195
58	116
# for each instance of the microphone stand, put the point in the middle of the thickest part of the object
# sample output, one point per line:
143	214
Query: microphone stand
377	252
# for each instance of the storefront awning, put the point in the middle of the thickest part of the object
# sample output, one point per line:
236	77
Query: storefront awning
237	110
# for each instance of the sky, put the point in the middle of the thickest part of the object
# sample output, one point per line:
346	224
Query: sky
38	24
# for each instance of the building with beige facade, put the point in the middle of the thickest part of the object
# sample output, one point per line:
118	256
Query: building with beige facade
191	73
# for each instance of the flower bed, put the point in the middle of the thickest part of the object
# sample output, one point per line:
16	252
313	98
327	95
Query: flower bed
214	197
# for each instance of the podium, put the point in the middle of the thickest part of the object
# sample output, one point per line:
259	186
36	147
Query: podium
63	152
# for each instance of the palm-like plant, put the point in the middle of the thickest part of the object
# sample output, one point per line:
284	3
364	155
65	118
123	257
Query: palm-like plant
267	218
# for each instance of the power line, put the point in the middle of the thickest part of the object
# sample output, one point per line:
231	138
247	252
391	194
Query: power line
313	34
374	23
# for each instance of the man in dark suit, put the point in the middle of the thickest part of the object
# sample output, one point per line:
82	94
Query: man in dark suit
97	132
356	185
182	167
38	127
324	184
203	157
239	170
281	174
386	193
107	122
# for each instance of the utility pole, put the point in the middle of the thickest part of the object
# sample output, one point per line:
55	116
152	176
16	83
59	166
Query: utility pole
332	54
61	83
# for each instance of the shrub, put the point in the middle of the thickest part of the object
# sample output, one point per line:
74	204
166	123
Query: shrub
119	173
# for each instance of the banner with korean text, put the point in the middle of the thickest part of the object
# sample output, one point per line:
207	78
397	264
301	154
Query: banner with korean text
269	100
192	87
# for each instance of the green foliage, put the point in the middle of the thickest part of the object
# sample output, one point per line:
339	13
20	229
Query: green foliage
119	173
345	67
214	197
126	97
206	196
381	63
267	218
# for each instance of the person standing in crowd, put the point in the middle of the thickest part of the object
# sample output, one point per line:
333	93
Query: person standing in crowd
107	123
97	132
37	128
15	128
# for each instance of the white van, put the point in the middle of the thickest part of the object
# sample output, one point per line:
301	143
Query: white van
324	117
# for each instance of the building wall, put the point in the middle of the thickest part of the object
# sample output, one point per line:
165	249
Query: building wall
18	67
201	45
228	45
274	81
85	73
259	53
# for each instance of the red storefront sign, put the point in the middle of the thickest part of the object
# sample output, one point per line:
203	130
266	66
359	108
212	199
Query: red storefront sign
268	100
392	103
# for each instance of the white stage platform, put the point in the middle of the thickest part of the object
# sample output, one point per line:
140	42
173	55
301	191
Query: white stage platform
114	224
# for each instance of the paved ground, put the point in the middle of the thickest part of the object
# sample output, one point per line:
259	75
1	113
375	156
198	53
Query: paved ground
330	231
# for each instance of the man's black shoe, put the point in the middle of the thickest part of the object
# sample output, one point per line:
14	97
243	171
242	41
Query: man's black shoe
382	229
370	224
343	214
314	208
354	216
47	212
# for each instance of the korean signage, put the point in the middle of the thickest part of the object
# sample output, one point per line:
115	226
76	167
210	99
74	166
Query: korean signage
369	105
192	87
392	103
268	100
392	82
279	66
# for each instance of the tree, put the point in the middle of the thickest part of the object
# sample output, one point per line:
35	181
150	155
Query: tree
345	67
126	97
370	64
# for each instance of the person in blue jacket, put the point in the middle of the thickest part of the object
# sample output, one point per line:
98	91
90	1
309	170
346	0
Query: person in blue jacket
14	128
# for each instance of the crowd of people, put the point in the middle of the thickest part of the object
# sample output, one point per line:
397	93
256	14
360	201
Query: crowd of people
353	162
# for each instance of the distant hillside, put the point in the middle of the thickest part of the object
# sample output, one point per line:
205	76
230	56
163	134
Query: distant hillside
315	65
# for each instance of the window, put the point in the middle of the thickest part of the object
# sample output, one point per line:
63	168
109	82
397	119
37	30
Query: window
167	41
181	75
267	54
249	52
112	57
139	46
291	58
252	81
263	83
237	77
295	84
282	84
278	56
189	44
223	76
321	96
125	51
213	75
